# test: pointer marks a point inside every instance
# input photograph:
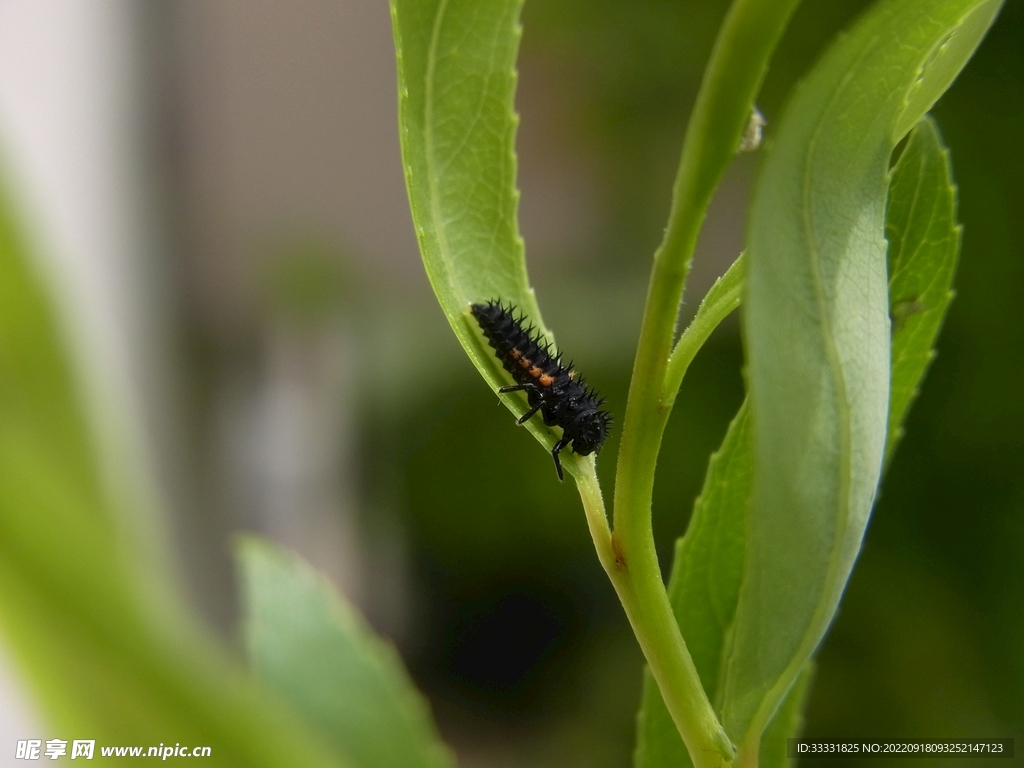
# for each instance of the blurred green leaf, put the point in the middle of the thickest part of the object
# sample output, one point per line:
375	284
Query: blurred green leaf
924	241
456	85
818	336
311	646
107	658
703	588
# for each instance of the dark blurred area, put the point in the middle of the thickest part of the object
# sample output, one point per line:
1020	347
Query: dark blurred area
289	371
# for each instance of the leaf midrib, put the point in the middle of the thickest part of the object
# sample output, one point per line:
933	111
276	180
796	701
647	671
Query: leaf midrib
444	250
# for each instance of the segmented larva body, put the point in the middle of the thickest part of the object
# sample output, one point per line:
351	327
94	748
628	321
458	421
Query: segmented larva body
561	396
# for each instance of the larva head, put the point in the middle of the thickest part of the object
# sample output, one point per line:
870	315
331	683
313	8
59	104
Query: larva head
589	431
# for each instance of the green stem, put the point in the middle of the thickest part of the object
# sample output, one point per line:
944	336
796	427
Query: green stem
640	589
654	624
749	752
740	58
734	74
725	296
597	518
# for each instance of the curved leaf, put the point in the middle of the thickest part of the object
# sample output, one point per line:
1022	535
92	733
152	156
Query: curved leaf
456	85
706	573
818	335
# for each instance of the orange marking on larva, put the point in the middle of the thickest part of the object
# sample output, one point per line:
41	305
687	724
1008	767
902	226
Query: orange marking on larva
516	354
535	372
525	362
546	381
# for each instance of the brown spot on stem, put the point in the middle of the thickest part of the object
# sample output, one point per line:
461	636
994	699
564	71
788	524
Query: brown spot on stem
620	556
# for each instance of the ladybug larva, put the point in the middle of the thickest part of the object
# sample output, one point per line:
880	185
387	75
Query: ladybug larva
560	395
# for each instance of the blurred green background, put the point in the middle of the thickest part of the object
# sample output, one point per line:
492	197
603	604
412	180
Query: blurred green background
293	375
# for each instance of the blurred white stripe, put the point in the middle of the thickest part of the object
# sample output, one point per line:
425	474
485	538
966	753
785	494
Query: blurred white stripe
17	717
70	159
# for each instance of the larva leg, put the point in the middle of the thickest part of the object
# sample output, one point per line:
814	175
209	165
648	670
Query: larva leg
526	416
554	454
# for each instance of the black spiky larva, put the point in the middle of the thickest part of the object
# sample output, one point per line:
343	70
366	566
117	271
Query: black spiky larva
562	397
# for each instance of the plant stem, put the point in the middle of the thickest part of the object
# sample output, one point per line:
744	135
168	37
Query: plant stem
749	752
597	518
642	594
725	296
740	58
654	624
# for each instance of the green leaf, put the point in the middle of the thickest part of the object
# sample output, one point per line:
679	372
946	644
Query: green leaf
106	657
703	588
707	570
788	722
456	85
924	241
312	647
818	335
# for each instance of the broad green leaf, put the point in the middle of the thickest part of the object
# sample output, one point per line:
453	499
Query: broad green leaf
706	573
787	723
818	335
456	86
106	659
707	570
924	240
703	589
312	647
